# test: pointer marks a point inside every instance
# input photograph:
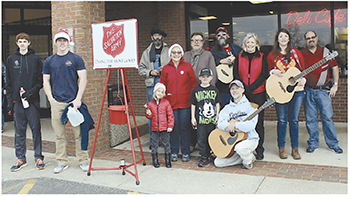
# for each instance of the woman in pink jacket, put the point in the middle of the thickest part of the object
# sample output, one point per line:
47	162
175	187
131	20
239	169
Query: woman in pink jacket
179	78
162	123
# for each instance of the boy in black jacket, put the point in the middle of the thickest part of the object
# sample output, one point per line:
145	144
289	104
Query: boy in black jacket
23	69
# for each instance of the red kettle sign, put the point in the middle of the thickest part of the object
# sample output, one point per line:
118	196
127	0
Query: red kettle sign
115	44
113	39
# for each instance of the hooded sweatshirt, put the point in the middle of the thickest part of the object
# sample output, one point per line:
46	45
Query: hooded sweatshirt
239	111
24	71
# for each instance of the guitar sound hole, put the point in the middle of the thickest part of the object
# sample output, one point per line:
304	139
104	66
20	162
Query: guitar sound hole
222	140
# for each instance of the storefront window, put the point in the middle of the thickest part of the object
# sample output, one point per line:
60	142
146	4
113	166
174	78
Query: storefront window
340	40
297	23
264	26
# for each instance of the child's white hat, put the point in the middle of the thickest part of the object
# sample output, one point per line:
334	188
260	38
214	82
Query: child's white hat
159	85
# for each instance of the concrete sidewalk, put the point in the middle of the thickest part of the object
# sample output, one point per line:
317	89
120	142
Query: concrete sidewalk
187	178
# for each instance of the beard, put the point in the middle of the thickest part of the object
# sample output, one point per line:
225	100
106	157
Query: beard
222	42
157	42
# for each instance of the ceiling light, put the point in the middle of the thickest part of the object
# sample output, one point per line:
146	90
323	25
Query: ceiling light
233	23
271	11
225	23
207	17
259	2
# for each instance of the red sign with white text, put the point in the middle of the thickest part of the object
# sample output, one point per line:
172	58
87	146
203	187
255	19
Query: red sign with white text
113	39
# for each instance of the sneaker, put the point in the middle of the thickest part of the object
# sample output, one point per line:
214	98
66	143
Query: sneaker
186	158
337	149
18	165
203	162
248	166
174	157
39	164
84	167
59	168
311	149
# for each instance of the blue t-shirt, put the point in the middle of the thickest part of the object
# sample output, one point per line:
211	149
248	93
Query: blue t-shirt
63	75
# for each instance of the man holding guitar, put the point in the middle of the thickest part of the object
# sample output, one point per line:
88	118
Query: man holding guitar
319	93
224	54
238	109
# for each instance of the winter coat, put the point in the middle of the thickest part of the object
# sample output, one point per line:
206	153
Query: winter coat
179	83
162	115
24	71
146	66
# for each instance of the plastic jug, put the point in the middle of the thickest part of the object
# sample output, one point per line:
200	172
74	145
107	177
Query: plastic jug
75	117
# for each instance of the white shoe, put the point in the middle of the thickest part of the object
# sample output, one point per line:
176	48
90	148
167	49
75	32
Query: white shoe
59	168
84	167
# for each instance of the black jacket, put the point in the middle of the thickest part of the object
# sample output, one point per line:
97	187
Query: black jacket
24	71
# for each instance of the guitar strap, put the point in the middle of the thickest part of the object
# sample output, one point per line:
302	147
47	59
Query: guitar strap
292	51
234	50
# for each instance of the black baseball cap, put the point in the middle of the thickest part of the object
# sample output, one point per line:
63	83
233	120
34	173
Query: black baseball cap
205	71
156	30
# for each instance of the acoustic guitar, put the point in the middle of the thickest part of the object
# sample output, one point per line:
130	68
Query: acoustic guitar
283	88
225	72
222	143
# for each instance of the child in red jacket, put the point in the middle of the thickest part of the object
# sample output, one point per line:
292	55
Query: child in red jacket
161	114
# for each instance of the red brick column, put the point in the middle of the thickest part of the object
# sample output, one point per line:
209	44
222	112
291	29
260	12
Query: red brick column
80	15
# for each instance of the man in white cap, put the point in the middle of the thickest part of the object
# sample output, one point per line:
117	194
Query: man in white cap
238	109
60	75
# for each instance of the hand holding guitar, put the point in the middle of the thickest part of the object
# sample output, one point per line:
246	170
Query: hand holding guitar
231	127
277	72
229	60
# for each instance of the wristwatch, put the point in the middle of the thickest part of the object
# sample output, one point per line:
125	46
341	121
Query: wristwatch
335	83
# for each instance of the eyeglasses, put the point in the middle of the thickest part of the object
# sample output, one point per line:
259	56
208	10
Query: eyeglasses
221	34
309	38
196	40
176	52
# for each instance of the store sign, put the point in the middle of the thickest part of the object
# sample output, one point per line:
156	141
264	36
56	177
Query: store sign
115	44
323	16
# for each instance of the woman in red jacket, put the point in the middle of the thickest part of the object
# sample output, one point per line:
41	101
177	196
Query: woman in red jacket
252	69
179	78
280	59
162	123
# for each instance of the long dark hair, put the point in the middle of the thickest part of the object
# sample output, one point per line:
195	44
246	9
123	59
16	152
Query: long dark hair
276	47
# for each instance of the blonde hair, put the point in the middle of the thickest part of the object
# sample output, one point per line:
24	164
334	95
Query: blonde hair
154	94
251	35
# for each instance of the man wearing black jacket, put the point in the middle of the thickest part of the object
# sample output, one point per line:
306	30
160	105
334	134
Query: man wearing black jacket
222	53
23	70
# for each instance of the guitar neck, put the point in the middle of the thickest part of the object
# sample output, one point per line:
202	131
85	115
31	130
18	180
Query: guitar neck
310	69
251	116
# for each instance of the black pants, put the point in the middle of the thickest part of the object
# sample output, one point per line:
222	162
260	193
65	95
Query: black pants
260	99
203	132
22	117
165	141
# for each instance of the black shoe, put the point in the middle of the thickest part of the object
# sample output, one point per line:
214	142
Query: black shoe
211	159
259	157
155	160
203	162
167	160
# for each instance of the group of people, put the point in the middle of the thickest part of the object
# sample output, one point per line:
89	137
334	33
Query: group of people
189	95
59	76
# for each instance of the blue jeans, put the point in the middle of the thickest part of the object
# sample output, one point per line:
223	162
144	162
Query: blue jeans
149	98
289	112
181	131
318	98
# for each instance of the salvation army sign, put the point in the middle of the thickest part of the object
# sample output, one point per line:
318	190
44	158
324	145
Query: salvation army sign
114	44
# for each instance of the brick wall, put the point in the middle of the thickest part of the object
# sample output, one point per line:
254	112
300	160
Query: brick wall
170	17
80	15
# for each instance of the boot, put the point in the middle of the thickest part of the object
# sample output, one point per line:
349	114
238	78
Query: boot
155	160
282	153
167	160
295	153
